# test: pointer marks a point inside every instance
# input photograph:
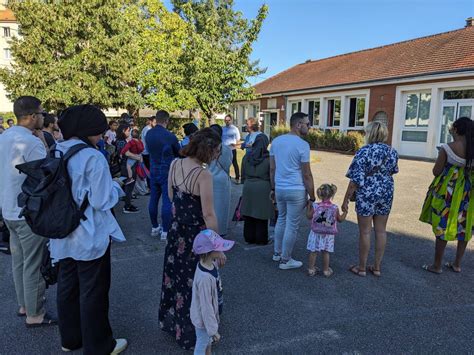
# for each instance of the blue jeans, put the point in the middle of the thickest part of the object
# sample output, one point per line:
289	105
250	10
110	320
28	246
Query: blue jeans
159	188
291	205
202	341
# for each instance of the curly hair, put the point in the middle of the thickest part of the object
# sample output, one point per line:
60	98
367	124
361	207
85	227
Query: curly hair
203	145
326	191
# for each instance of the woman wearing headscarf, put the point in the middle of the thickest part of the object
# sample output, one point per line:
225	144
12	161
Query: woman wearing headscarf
257	208
84	255
219	168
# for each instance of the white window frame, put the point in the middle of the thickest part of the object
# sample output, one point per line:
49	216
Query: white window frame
405	102
341	112
7	53
7	32
366	111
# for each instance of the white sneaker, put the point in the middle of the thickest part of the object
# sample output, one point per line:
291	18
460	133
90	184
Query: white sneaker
276	257
164	236
155	232
120	346
290	264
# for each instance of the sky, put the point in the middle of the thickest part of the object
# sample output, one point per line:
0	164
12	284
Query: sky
297	30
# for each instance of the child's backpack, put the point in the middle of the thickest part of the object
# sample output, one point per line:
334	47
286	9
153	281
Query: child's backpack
46	198
324	218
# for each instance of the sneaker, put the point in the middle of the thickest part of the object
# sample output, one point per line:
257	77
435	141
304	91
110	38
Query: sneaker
276	257
164	236
155	232
66	350
130	209
120	346
290	264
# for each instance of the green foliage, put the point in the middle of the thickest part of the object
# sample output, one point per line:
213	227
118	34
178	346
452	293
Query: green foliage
7	115
74	52
328	139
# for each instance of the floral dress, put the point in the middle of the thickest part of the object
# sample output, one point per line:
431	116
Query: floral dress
449	203
371	170
179	266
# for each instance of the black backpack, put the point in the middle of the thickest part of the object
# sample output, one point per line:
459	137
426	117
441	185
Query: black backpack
46	198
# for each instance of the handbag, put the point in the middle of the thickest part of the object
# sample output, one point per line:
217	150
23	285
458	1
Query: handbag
48	270
375	170
237	217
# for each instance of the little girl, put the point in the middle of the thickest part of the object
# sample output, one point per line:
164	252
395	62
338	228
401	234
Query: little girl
324	217
135	146
207	300
449	204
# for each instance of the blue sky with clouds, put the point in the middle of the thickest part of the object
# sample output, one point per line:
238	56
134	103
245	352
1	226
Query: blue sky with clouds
297	30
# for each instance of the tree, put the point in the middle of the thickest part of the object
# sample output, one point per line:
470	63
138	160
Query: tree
74	52
216	60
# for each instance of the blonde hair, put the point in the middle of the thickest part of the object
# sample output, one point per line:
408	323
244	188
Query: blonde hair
326	191
376	132
253	122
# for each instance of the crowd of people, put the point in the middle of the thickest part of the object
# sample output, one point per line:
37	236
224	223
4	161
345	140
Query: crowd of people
192	179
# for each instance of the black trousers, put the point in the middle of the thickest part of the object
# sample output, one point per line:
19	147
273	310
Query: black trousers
146	161
128	189
83	305
255	230
235	164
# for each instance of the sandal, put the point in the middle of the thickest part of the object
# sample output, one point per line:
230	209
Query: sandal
47	321
328	273
313	272
430	268
453	268
374	272
355	270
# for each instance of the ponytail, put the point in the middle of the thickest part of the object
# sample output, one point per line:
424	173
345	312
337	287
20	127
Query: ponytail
464	126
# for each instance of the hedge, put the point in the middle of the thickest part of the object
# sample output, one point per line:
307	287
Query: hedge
328	139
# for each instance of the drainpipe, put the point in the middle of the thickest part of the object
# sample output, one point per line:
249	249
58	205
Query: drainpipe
286	108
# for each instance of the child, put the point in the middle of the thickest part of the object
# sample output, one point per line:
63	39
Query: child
207	301
134	146
324	217
449	203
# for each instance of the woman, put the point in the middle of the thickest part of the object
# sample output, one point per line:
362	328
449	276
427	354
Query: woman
84	255
190	188
371	181
449	204
219	168
257	208
123	136
252	133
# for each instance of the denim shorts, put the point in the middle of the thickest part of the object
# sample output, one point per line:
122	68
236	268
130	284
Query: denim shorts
203	340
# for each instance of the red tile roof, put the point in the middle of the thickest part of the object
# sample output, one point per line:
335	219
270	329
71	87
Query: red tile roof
7	16
450	51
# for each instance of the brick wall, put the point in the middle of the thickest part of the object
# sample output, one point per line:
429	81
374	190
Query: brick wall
382	98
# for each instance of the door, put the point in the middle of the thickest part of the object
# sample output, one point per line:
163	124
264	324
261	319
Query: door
450	112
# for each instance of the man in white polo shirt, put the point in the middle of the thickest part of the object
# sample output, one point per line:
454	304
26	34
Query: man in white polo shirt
21	144
292	182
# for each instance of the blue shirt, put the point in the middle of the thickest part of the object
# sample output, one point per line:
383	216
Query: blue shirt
230	135
143	136
90	175
184	142
163	147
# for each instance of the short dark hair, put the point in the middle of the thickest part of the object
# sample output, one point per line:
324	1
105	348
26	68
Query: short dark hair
162	116
296	118
49	119
25	105
203	145
10	120
228	115
190	128
112	122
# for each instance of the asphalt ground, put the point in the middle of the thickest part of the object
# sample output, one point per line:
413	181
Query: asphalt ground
271	311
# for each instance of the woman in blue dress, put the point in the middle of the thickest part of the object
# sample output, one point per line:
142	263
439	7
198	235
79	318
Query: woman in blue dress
371	181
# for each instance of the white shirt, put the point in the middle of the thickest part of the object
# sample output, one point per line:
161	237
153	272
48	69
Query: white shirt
111	136
18	145
90	175
289	151
142	137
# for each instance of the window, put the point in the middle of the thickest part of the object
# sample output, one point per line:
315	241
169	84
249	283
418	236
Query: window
6	31
458	94
417	110
7	53
334	113
254	110
357	112
295	107
314	112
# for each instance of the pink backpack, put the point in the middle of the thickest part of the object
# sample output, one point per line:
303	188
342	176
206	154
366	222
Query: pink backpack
324	218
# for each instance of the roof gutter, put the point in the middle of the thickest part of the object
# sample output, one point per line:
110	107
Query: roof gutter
408	78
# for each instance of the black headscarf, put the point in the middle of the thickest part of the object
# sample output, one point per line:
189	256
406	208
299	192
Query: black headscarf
259	150
82	121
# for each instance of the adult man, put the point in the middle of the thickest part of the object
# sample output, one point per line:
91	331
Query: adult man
231	138
50	125
292	182
21	144
150	123
163	148
10	123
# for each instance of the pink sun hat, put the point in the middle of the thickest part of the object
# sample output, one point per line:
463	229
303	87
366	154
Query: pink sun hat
208	240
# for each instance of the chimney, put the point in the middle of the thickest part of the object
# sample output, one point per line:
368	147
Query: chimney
470	22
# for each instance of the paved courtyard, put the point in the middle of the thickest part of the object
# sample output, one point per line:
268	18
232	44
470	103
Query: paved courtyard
269	311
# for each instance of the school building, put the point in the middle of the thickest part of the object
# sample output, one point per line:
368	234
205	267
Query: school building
417	87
